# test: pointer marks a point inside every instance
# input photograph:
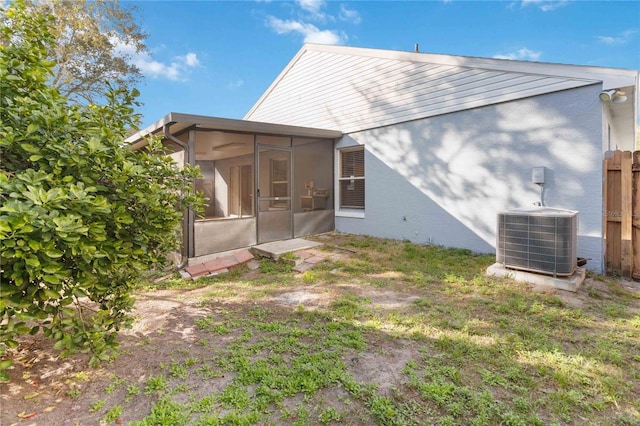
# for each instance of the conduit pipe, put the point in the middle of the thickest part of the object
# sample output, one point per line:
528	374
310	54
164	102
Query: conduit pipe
185	219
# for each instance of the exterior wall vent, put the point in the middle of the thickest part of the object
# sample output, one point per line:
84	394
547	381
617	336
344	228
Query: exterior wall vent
538	239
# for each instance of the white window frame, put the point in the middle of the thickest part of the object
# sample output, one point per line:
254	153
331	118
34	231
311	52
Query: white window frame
346	211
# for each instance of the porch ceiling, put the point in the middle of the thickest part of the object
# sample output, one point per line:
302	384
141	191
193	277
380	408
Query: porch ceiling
179	121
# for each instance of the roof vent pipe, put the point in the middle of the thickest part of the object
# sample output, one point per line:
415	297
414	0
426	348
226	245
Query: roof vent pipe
416	48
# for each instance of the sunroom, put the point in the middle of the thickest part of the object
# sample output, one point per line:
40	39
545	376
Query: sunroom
263	182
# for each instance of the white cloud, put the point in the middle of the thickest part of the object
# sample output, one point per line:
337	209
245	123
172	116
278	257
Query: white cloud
523	54
622	38
191	60
235	84
311	33
349	15
545	5
313	11
312	6
325	37
175	70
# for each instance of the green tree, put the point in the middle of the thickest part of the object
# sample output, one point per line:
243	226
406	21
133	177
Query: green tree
94	40
81	215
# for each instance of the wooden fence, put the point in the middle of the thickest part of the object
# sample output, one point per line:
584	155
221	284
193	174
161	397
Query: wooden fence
622	212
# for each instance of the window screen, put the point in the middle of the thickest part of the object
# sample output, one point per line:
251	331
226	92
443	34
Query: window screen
352	178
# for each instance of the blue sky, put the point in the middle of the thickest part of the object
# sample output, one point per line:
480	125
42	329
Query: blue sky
217	58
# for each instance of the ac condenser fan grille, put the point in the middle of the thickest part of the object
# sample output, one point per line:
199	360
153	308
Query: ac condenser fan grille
538	240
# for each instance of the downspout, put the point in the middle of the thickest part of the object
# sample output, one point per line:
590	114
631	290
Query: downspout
185	221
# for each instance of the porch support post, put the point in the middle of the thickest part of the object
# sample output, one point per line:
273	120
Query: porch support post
187	227
190	158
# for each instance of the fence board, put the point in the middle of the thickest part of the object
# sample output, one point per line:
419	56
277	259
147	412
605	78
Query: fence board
622	220
635	215
612	224
626	209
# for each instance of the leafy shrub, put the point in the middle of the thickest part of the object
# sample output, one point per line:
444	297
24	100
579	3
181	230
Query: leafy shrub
81	215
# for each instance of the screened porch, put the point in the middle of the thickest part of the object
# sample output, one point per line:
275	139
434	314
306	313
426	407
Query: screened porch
263	182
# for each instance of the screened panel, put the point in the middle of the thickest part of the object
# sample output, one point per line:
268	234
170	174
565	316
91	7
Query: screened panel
275	218
226	161
279	141
206	185
274	206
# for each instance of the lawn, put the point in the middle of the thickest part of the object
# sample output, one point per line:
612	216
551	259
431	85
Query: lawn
382	332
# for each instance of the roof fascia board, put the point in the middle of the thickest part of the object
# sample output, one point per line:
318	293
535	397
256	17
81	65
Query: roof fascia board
611	77
139	136
585	72
247	126
229	124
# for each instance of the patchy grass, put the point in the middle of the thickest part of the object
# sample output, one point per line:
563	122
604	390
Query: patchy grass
395	334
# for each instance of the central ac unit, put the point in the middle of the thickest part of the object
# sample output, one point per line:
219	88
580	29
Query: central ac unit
538	239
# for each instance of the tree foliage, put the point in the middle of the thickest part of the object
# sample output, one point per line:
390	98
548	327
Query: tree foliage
93	43
81	215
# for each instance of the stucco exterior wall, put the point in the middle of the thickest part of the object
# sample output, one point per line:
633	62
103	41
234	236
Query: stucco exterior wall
442	180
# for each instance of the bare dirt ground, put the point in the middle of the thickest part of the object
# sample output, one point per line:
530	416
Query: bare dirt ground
48	390
38	393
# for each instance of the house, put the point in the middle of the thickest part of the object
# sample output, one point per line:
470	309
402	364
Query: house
405	145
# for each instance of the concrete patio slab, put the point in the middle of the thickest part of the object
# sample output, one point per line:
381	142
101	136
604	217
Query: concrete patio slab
204	259
570	283
276	249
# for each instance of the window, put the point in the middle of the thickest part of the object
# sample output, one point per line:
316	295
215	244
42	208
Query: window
352	178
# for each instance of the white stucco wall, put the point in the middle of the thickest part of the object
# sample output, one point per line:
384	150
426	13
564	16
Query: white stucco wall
442	180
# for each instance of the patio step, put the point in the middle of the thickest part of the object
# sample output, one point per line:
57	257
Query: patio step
306	252
276	249
219	265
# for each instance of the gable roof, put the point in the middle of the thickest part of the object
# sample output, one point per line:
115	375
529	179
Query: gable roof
352	89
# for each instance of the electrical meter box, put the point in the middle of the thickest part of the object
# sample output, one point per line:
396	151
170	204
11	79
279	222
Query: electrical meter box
537	175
